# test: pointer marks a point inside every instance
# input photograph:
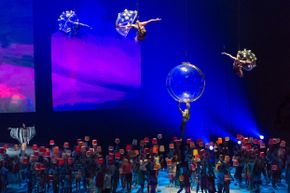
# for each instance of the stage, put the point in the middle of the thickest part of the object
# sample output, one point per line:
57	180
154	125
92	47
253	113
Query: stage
164	187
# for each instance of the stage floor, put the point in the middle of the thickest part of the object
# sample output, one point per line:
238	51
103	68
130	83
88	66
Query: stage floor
163	187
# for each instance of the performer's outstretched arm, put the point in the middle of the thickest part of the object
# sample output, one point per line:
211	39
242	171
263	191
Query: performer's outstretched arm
227	54
179	108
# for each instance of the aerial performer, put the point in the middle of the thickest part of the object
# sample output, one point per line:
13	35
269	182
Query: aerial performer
185	83
69	23
245	60
126	21
185	114
23	135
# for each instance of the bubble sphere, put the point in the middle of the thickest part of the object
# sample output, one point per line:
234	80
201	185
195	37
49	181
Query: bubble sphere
249	67
185	82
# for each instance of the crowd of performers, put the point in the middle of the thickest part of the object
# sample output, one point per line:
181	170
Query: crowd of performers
191	165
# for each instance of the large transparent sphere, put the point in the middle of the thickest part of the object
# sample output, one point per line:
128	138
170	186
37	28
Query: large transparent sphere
249	67
185	82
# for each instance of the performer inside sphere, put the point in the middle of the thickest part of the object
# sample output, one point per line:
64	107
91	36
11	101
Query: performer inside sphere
140	27
185	115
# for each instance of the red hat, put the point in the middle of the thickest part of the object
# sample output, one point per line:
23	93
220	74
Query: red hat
94	142
66	145
240	137
146	140
70	161
51	142
146	150
154	141
37	166
2	150
128	147
100	161
78	149
60	161
34	147
169	162
6	146
36	153
42	149
117	155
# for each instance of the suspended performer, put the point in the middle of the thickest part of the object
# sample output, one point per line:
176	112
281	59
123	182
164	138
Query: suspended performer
23	135
245	60
185	114
140	27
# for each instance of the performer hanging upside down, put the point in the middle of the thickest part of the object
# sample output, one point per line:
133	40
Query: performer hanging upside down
245	60
185	115
140	27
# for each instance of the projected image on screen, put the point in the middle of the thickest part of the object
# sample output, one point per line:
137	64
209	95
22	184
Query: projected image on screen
16	57
95	69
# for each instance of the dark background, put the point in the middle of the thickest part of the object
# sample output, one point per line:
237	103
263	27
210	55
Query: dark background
191	30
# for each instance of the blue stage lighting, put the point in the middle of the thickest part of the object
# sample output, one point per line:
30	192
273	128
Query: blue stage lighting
261	137
211	147
239	142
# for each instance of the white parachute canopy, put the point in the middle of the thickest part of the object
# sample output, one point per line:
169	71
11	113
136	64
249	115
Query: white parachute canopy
66	19
124	19
22	135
